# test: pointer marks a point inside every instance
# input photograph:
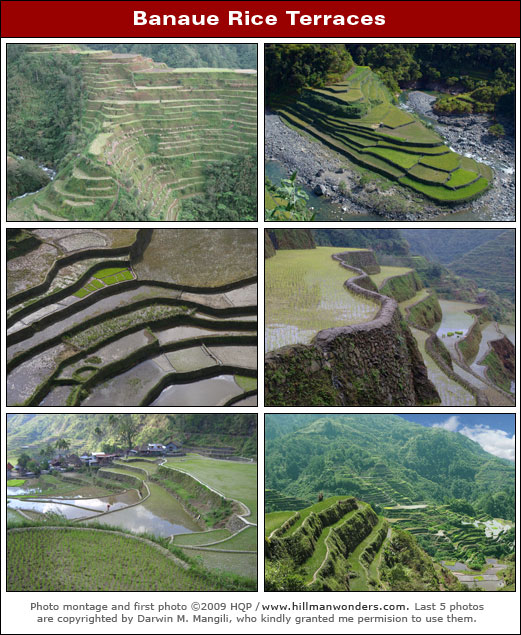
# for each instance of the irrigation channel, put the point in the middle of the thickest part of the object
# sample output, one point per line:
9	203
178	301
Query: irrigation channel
305	294
177	498
115	317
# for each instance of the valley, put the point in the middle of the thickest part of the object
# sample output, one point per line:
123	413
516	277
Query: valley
357	135
461	352
119	317
386	519
175	517
141	140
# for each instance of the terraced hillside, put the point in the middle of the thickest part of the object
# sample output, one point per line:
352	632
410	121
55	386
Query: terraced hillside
182	530
340	544
357	118
147	132
340	346
439	487
166	317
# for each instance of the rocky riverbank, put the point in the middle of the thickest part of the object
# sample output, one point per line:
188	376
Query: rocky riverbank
469	135
359	191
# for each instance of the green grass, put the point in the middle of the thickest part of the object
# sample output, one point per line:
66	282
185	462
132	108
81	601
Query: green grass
15	482
274	520
243	564
423	173
246	383
316	508
233	479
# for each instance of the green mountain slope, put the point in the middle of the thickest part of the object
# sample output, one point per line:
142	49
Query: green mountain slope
385	460
36	431
446	245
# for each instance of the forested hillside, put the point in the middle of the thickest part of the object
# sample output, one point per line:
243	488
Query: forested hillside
485	73
446	245
333	454
191	55
97	432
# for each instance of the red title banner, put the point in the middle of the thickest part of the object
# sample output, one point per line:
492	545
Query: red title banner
148	19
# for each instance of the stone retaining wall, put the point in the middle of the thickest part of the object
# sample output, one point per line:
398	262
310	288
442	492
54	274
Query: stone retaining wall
375	363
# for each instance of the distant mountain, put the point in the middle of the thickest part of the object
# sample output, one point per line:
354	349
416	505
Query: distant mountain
383	458
491	265
388	241
447	245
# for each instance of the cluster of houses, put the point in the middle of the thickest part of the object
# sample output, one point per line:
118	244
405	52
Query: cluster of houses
99	459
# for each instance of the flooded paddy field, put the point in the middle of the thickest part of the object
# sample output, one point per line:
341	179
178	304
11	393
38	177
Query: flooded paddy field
185	302
163	505
305	293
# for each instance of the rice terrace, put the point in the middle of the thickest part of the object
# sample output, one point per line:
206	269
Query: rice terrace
173	515
132	317
365	325
394	131
132	132
378	503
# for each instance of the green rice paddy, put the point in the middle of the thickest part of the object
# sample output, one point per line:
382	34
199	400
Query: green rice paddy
374	133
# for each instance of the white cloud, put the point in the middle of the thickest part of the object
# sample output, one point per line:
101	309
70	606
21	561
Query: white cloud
496	442
451	424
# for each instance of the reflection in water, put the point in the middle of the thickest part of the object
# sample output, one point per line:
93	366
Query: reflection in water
140	519
69	511
207	392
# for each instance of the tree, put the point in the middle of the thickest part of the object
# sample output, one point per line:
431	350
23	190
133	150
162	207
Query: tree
23	461
497	130
62	444
126	428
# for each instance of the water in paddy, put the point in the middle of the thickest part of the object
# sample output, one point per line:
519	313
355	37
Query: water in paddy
454	319
199	257
305	294
20	491
490	581
206	392
69	511
114	501
324	208
161	515
451	393
488	334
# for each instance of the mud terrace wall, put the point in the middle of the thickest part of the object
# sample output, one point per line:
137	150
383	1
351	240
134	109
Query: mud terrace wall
376	363
426	312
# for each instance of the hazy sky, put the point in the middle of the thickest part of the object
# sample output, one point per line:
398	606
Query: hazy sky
494	432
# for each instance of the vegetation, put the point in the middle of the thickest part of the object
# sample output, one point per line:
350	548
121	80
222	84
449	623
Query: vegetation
355	116
132	139
290	67
190	55
230	195
305	294
417	463
397	467
482	74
